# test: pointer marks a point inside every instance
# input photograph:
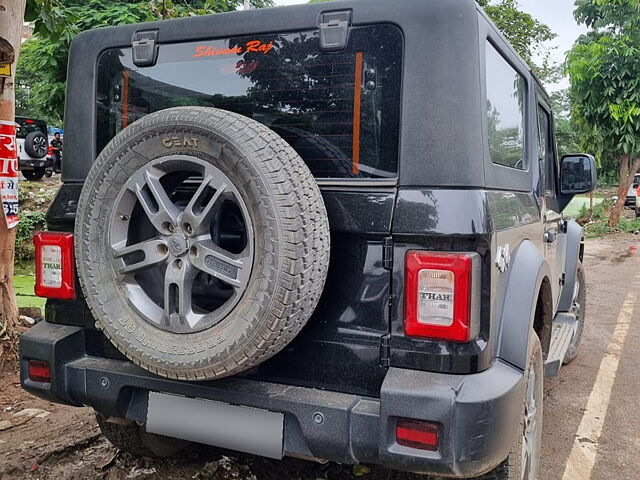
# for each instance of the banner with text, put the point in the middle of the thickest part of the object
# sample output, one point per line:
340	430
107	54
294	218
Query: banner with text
9	172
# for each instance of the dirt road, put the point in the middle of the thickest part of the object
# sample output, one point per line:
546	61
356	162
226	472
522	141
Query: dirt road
40	440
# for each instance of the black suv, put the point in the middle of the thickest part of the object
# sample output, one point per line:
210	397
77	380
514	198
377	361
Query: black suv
330	231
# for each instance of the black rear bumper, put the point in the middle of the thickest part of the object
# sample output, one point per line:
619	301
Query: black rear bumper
33	163
479	413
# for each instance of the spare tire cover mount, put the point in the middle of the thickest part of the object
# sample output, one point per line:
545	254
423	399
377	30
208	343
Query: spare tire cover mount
200	259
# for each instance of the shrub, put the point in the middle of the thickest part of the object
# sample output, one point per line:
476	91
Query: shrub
30	222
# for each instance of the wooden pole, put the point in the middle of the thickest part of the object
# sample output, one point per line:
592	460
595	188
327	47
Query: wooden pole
11	21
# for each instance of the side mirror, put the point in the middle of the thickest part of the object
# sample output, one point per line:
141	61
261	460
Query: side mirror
577	174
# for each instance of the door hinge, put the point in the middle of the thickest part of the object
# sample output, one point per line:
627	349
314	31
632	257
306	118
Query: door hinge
563	279
334	30
385	351
387	253
145	48
564	226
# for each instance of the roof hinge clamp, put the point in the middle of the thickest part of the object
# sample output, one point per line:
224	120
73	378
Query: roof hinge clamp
387	253
144	48
334	30
385	351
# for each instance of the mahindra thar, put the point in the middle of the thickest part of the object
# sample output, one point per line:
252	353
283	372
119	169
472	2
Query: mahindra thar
331	231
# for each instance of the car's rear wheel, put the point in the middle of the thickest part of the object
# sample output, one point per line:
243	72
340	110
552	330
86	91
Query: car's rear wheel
203	243
578	308
33	175
523	462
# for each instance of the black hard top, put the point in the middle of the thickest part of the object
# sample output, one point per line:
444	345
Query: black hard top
442	113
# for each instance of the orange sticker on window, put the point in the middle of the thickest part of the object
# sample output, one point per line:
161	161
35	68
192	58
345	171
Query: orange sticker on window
251	46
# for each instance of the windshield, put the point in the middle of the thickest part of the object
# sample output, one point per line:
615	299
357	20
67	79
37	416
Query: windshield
338	110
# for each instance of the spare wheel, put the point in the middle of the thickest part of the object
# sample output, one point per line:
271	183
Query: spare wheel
202	243
35	144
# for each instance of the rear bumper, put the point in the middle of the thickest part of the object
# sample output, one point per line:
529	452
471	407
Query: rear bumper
32	163
479	413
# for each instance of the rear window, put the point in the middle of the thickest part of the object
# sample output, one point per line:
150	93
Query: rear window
29	125
340	111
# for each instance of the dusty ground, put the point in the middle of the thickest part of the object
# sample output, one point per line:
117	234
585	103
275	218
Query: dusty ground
41	440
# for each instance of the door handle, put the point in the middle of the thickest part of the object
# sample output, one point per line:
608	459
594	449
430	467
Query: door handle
550	235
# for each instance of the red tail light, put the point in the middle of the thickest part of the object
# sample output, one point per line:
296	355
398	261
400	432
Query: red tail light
417	434
442	295
39	371
55	265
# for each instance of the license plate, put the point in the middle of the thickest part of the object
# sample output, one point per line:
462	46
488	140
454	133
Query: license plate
244	429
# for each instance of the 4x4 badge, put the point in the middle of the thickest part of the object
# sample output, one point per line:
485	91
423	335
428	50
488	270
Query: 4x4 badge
503	257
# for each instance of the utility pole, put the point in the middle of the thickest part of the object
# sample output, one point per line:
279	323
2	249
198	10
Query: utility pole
11	20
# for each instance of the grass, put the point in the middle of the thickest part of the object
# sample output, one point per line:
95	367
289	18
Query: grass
24	281
578	203
596	224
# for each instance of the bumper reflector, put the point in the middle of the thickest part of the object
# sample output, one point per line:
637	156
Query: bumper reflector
39	371
417	434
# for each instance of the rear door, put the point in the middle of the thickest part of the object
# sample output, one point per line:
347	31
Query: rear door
340	112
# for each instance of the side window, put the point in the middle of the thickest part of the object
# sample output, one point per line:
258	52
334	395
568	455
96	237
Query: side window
506	98
545	152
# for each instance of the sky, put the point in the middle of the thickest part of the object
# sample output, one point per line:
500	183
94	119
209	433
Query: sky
558	14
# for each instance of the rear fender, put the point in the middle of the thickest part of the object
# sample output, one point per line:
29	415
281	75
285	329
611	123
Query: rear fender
527	271
574	240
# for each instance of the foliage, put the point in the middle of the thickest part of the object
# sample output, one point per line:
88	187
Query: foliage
34	198
604	68
30	222
605	82
42	68
596	223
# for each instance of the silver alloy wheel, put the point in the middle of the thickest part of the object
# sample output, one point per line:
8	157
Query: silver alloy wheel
40	146
576	308
182	243
530	440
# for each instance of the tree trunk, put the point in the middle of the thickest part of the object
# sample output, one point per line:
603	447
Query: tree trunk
627	171
11	20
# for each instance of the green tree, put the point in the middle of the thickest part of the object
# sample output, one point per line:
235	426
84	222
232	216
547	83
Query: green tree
42	70
604	68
